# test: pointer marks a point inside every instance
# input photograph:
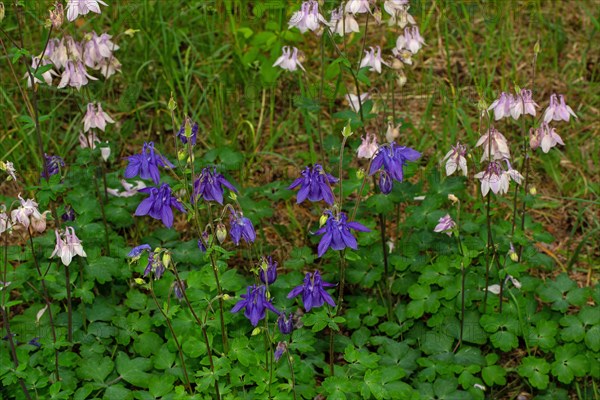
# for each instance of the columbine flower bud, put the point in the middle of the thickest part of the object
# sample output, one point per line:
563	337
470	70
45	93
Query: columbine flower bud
255	331
57	15
221	232
172	103
131	32
323	220
533	191
1	11
139	281
226	297
452	198
360	174
166	259
347	131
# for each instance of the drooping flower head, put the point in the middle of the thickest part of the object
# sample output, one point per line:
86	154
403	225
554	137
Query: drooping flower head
313	292
9	168
256	304
315	185
188	127
356	102
498	147
495	177
209	186
386	183
290	59
368	147
82	7
342	23
411	40
336	233
146	164
67	246
155	266
502	106
445	225
372	59
95	117
398	10
558	110
159	204
544	137
285	323
279	350
307	18
241	228
137	251
523	104
53	165
267	271
358	7
392	158
179	289
455	159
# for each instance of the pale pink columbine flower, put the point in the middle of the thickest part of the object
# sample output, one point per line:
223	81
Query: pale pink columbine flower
558	110
358	6
342	23
497	179
97	49
130	189
411	40
354	101
38	221
373	59
495	289
67	246
445	225
455	159
36	62
499	146
307	18
25	212
109	66
289	59
544	136
523	104
398	10
82	7
368	147
5	222
502	106
96	118
88	141
75	75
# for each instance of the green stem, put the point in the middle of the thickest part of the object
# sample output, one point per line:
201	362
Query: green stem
289	360
185	373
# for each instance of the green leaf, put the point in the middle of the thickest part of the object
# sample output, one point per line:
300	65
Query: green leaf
504	340
592	338
536	371
573	330
163	359
543	335
133	371
336	387
161	385
570	362
494	375
147	343
95	368
372	381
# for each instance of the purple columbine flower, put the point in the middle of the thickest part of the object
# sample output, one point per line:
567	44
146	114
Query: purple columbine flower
146	164
523	104
498	148
445	225
285	323
256	304
209	186
53	165
315	184
241	228
290	59
372	59
558	110
281	348
267	271
35	342
137	251
155	266
385	182
158	204
545	137
69	214
179	289
193	126
336	233
392	158
313	291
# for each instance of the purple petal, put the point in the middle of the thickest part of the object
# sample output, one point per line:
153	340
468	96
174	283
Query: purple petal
144	207
295	291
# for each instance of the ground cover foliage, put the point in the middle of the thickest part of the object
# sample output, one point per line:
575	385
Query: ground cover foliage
224	199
